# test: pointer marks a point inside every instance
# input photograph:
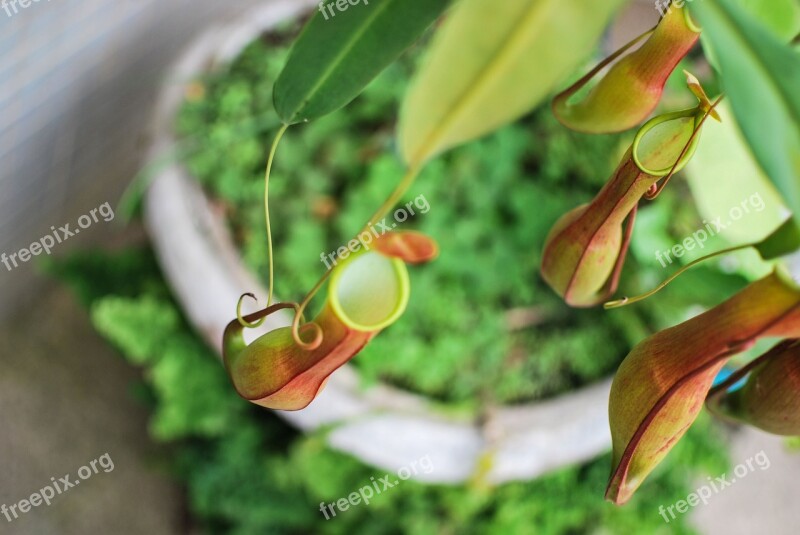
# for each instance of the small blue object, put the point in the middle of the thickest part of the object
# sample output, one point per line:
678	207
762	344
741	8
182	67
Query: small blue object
724	375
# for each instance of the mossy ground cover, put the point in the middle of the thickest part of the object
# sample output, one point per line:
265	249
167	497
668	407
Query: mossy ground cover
247	472
491	204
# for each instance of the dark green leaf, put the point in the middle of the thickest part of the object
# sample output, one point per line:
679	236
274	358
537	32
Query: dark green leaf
783	241
340	52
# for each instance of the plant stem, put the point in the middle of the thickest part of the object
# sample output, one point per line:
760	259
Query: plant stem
271	159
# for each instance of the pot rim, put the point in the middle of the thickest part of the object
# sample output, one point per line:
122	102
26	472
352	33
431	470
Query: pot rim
383	425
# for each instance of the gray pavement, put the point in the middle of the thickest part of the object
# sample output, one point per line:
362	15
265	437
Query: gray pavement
65	400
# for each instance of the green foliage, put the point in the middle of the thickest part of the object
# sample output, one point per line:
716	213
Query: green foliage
760	73
130	306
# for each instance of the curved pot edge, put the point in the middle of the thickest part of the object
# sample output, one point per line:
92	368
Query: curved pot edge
382	426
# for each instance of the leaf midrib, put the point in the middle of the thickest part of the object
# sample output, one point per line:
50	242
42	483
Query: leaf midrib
339	58
484	76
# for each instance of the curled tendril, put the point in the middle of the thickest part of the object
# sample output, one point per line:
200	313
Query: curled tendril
298	315
245	321
313	344
242	321
708	111
263	314
630	300
392	200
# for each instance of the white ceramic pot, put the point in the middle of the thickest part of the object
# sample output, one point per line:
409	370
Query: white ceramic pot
382	425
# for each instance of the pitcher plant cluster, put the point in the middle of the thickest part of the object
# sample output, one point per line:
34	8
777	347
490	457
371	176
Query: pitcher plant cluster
488	65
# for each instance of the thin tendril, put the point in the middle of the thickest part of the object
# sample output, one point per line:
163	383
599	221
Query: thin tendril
266	212
243	322
392	200
656	190
630	300
299	314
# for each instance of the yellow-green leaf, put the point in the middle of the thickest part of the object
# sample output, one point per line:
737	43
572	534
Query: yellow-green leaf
493	62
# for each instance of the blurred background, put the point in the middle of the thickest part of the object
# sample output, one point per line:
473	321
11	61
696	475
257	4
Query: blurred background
100	355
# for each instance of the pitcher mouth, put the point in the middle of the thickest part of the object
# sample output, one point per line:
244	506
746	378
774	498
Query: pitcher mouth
369	291
676	129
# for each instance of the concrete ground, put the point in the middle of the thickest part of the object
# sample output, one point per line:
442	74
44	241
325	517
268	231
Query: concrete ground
65	400
764	500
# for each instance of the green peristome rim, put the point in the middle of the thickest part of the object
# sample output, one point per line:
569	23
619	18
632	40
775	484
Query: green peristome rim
690	22
695	113
394	272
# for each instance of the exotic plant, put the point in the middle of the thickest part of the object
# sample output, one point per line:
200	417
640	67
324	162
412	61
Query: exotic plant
660	388
474	82
489	63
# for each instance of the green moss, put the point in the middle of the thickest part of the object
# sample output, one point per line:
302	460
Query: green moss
491	205
246	472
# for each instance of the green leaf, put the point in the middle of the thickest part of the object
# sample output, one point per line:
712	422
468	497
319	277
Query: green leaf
781	16
761	75
493	62
783	241
724	174
340	52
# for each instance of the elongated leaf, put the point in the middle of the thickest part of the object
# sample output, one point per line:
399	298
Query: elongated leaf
723	174
762	77
781	16
341	51
492	62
